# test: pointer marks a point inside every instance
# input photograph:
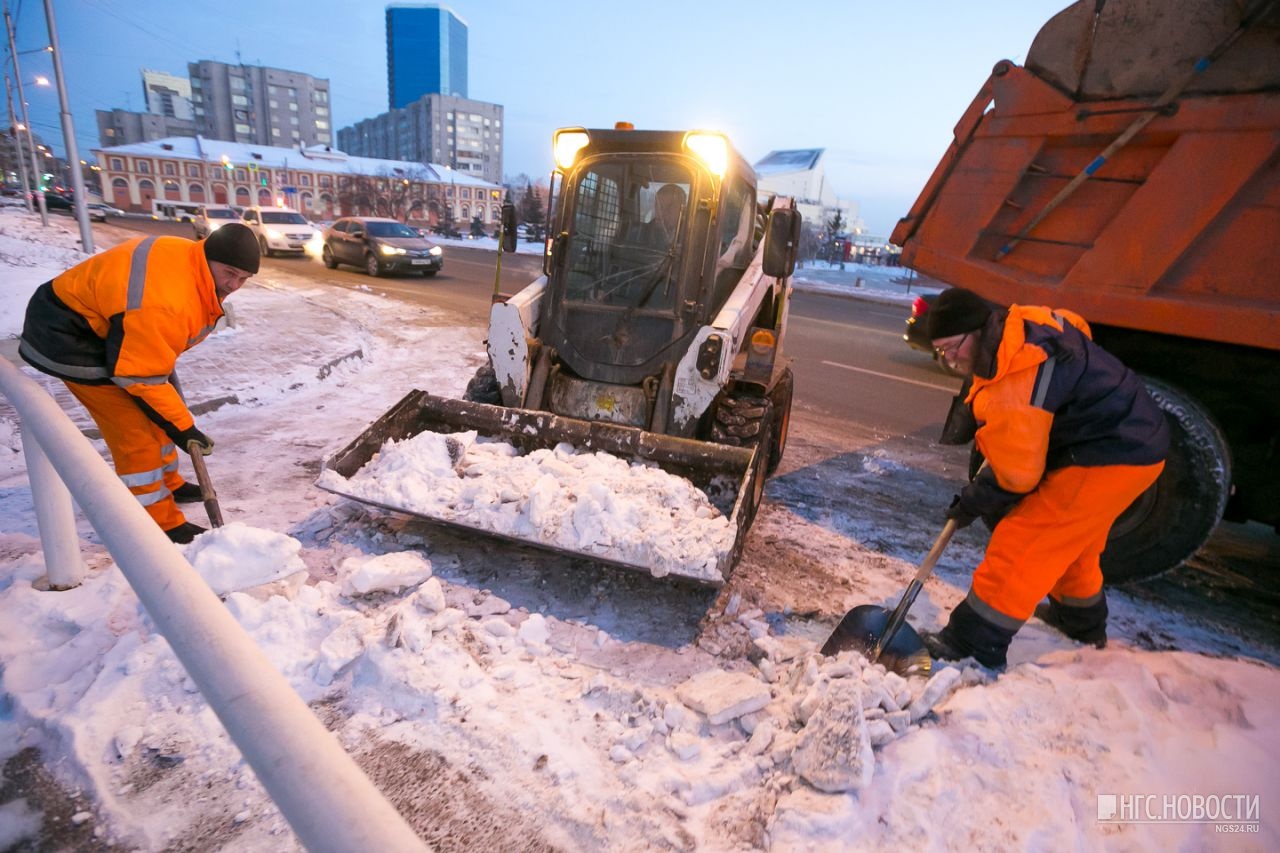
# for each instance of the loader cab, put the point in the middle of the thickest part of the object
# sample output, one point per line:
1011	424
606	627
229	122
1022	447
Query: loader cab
651	238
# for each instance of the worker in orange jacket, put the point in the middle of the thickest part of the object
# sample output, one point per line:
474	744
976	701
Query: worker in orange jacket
1070	438
112	329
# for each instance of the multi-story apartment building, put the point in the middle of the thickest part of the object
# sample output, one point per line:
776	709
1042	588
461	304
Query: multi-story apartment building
319	182
122	127
459	132
255	104
426	52
167	94
168	112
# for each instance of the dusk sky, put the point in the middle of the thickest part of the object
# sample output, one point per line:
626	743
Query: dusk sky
878	85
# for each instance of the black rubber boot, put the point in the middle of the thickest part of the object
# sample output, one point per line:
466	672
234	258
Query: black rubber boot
1087	624
184	533
968	635
187	493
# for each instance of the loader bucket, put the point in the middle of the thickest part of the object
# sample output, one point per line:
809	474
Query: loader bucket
727	475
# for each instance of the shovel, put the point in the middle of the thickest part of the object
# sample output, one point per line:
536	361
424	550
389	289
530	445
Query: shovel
885	637
207	494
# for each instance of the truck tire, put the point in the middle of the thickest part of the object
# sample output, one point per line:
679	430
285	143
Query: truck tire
780	396
483	387
1172	519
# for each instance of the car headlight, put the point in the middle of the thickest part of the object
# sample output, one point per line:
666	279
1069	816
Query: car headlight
273	234
435	250
390	250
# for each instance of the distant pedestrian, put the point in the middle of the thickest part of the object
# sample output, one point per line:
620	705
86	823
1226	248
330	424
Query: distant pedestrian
1070	438
112	329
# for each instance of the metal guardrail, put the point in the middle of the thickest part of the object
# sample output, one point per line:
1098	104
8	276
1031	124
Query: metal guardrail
319	789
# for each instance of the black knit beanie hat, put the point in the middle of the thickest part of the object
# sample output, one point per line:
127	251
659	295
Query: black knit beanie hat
235	245
955	312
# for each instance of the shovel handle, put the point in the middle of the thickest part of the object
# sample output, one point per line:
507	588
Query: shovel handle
207	494
899	614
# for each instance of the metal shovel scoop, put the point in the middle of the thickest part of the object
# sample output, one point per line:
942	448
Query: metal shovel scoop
207	494
885	637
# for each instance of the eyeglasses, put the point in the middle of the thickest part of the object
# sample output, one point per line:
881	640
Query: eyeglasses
954	346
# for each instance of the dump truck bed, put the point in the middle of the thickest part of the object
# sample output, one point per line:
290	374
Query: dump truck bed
724	474
1175	232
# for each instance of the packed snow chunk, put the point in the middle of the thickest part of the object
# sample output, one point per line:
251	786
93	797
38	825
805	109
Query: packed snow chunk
534	631
834	751
238	556
723	696
937	689
383	573
581	501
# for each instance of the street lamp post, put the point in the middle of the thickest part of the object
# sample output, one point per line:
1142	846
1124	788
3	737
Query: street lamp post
69	134
17	144
22	102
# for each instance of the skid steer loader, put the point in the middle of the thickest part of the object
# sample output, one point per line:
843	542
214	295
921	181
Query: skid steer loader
654	334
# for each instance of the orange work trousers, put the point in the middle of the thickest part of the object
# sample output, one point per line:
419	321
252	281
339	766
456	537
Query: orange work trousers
1049	544
144	457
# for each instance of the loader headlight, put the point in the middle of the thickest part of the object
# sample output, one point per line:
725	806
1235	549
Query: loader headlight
711	148
566	143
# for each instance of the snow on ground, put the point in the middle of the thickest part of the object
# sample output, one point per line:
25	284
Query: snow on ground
577	708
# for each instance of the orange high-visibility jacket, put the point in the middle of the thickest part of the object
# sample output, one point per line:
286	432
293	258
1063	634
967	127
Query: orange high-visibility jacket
123	317
1057	399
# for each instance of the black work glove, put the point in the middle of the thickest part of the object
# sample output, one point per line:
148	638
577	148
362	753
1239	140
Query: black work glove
962	515
192	434
983	498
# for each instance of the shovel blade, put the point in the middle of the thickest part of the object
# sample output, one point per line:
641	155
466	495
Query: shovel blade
863	626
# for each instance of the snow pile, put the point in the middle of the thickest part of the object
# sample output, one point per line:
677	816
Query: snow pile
587	502
237	556
30	255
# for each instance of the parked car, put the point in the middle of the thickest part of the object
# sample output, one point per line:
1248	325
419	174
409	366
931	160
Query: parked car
99	211
210	218
55	201
279	230
381	246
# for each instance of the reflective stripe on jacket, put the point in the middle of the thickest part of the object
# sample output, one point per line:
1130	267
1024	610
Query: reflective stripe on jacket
1055	399
123	317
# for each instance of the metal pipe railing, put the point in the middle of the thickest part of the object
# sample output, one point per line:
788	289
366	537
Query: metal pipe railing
319	789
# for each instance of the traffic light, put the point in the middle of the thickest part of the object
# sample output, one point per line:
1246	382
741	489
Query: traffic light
226	163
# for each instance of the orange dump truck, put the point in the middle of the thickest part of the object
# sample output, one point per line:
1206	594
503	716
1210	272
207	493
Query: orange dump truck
1130	171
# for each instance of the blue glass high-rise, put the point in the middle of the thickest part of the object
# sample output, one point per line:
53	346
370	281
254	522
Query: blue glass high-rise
426	52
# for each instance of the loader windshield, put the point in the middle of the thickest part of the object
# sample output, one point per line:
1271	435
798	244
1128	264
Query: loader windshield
629	222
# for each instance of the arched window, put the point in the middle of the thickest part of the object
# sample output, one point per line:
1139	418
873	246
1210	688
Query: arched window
306	201
195	192
242	196
120	195
172	192
219	193
146	192
326	205
264	197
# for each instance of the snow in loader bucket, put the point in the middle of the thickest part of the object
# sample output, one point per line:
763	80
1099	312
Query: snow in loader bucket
614	494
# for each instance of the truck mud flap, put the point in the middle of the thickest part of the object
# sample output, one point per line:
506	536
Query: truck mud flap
725	474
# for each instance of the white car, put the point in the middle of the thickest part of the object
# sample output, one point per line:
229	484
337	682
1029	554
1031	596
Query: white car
280	230
210	218
99	211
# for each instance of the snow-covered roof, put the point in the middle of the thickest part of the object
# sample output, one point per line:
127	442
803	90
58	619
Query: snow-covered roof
315	159
796	160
